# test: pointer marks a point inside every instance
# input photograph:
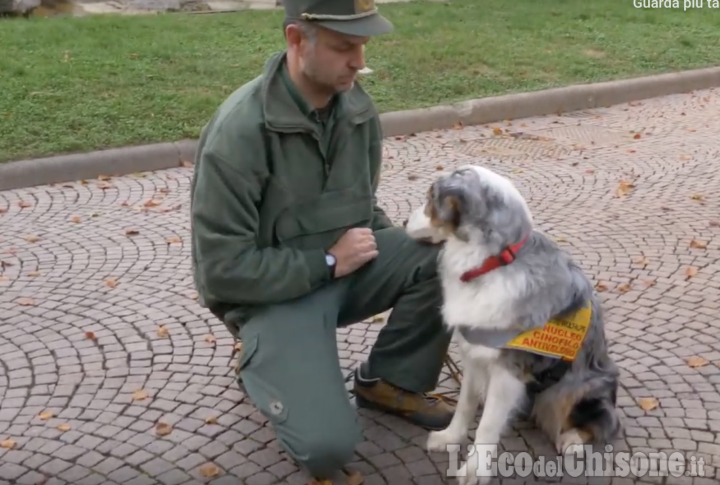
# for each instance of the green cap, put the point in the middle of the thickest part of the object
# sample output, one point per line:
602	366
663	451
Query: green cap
351	17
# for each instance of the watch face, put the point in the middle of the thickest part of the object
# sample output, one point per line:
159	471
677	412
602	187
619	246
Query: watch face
329	259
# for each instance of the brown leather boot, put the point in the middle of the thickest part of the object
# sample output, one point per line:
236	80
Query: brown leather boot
426	411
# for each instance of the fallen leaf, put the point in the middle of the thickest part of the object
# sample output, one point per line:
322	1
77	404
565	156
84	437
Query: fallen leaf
162	331
210	339
152	203
696	362
685	158
650	283
131	232
3	278
163	429
24	205
90	335
643	261
698	244
497	131
624	288
174	239
105	185
111	282
76	219
697	197
186	164
33	274
648	403
25	301
3	210
194	295
64	427
238	346
601	286
104	178
377	319
714	223
636	136
560	239
46	415
624	188
439	167
354	478
458	126
31	238
211	420
690	272
140	395
8	444
209	470
590	171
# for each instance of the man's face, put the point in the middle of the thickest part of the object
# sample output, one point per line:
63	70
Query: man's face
331	60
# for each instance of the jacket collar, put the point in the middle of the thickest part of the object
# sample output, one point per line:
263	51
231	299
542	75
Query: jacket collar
282	112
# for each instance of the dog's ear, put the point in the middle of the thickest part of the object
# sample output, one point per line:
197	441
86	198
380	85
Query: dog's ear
445	201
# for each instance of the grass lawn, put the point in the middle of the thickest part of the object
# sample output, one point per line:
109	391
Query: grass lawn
81	84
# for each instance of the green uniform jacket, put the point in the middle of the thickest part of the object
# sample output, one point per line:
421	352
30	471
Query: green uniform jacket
272	191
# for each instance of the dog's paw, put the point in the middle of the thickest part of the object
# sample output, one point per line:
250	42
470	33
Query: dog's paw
570	443
467	474
438	441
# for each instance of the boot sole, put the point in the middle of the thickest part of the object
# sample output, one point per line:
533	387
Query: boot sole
364	403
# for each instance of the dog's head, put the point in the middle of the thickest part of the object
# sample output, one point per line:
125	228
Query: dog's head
472	204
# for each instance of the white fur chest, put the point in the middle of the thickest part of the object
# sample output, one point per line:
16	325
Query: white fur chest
485	302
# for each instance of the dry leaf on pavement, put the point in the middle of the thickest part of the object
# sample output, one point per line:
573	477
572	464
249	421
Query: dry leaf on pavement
601	286
209	470
90	335
163	429
174	239
238	346
162	331
211	420
25	301
8	444
624	288
131	232
690	272
648	403
696	361
31	238
46	415
497	131
64	427
643	261
698	244
33	274
111	282
140	394
624	188
210	339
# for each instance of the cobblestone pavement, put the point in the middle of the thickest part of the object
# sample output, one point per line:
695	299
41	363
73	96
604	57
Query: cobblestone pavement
103	348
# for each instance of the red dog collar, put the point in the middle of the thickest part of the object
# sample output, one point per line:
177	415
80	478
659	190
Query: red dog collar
506	257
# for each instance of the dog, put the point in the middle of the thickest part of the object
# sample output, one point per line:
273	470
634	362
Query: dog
502	282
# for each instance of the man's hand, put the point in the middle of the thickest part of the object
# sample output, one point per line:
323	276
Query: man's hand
355	248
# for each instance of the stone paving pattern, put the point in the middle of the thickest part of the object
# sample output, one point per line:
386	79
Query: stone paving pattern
104	349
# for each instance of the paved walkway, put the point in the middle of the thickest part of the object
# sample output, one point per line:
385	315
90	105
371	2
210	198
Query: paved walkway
101	338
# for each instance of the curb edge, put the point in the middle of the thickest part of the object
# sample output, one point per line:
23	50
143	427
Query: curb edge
141	158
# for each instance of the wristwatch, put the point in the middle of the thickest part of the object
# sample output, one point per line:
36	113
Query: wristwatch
331	262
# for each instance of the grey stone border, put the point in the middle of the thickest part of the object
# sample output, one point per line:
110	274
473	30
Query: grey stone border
127	160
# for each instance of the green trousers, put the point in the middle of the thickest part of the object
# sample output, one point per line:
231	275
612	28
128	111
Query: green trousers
289	362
